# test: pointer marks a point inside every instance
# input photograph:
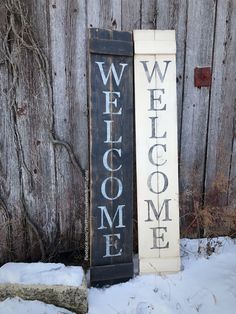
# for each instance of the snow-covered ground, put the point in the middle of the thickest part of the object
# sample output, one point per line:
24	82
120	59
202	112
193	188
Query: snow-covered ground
19	306
206	285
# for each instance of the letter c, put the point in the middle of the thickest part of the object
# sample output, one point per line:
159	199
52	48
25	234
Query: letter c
105	159
150	155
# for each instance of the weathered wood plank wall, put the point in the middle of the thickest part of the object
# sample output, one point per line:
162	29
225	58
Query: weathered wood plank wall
44	116
195	106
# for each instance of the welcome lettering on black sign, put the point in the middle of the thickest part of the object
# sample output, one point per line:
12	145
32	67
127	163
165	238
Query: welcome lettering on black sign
111	156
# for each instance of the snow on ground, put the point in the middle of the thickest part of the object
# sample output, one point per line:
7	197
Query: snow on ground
41	273
206	285
19	306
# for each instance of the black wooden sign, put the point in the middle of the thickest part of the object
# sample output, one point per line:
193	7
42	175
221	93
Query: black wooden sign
111	156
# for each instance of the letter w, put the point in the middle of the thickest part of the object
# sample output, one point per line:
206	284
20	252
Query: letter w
110	221
111	70
157	69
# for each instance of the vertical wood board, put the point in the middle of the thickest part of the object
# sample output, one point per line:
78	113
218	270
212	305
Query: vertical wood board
199	50
130	15
35	151
156	152
68	35
148	11
222	112
104	14
10	205
232	186
111	156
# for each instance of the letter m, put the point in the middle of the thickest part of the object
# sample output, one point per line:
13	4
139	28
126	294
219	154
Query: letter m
157	213
119	213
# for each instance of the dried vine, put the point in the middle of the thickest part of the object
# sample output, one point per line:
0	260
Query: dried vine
17	38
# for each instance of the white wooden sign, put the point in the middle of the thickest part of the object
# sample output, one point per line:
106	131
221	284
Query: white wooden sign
156	151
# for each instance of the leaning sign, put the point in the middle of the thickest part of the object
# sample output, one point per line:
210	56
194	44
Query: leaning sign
111	156
156	150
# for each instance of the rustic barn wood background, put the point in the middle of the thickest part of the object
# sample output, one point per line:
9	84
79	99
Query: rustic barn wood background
44	117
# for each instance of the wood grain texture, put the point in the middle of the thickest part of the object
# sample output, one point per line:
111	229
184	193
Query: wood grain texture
199	51
222	105
148	13
130	15
172	14
10	205
232	185
104	14
43	181
33	116
68	31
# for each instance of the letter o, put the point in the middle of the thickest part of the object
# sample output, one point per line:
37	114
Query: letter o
103	188
149	182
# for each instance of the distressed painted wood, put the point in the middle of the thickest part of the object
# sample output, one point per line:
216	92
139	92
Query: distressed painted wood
111	156
199	49
156	152
220	164
131	19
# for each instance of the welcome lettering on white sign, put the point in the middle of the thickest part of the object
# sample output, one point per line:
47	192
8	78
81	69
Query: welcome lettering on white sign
156	150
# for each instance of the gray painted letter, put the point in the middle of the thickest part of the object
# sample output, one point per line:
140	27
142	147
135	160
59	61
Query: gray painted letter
154	128
152	99
157	213
165	182
156	69
161	237
150	155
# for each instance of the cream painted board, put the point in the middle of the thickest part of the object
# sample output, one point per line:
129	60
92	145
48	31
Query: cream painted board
159	266
160	35
153	47
156	155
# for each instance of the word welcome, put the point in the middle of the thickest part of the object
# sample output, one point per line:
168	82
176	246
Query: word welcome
112	185
157	181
